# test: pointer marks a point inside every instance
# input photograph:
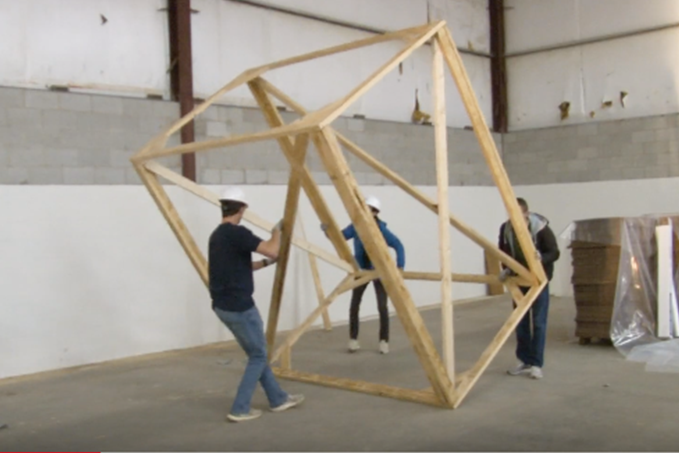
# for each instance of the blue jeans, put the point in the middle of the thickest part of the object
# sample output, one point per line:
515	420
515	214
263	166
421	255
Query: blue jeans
530	346
248	329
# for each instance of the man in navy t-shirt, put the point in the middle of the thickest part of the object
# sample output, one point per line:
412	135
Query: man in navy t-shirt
231	288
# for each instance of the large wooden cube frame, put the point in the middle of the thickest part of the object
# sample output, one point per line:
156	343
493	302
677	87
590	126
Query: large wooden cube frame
448	389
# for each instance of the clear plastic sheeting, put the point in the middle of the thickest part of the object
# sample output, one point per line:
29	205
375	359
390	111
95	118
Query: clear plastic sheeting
634	311
634	321
660	356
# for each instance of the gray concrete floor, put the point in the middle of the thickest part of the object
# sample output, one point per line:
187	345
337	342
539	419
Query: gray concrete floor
590	399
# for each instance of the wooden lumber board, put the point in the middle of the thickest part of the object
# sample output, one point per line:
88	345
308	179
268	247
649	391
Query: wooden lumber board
281	96
400	34
409	189
297	333
286	359
337	108
316	276
489	150
289	215
459	377
436	276
433	206
514	290
311	189
376	247
242	78
499	340
300	126
356	282
157	142
415	396
178	226
494	268
461	278
249	215
441	146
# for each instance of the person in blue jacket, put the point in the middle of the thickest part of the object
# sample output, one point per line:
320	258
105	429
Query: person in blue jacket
363	261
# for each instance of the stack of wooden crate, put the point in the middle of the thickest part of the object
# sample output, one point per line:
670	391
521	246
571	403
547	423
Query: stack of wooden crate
595	252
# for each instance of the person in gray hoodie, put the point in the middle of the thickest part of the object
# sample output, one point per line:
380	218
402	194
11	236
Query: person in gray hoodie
531	336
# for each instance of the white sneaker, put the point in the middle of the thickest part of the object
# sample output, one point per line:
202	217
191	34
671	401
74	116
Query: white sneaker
354	345
293	400
535	372
384	347
253	414
521	368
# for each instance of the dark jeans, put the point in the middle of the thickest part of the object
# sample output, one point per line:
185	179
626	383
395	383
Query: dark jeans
248	329
531	336
356	297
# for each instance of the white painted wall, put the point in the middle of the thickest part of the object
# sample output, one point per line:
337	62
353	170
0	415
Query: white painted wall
467	19
97	275
65	43
93	273
230	37
46	42
645	66
566	203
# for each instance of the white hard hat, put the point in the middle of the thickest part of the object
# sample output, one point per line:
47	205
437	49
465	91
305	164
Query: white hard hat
234	194
373	202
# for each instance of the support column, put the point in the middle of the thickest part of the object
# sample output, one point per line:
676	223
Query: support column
181	73
498	67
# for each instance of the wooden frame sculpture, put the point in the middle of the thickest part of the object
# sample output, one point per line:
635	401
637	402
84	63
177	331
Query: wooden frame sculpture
448	388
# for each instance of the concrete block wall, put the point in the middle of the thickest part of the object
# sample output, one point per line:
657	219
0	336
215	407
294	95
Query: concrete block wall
638	148
51	137
405	148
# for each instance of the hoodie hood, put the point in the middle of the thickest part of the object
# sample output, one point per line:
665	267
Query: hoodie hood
537	223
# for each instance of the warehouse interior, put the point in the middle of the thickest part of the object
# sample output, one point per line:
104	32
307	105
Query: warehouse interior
109	340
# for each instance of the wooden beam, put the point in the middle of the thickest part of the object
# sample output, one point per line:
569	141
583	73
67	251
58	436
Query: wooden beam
286	359
156	143
514	290
297	333
433	206
461	278
391	278
291	204
311	189
441	143
410	189
300	126
493	268
337	108
281	96
489	150
498	341
249	216
242	78
160	140
414	396
176	224
315	275
437	277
